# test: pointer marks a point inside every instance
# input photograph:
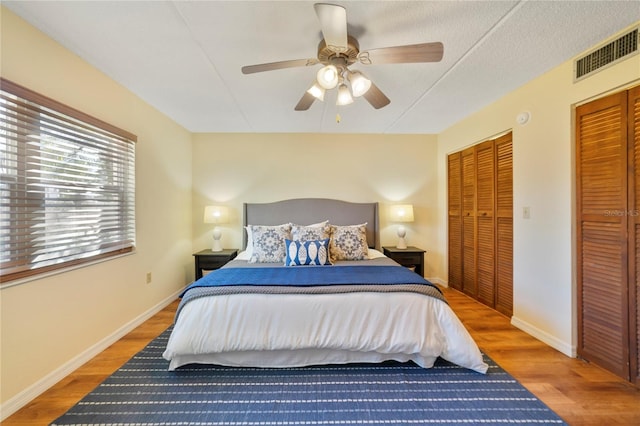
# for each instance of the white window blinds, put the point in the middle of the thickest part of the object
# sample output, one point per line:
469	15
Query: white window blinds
67	185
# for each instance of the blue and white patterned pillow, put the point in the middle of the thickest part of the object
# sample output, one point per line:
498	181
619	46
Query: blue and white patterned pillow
268	243
349	242
311	232
314	252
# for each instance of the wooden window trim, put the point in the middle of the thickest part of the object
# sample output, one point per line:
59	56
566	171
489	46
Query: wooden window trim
96	125
47	102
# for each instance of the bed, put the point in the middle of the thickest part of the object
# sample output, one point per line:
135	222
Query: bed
311	287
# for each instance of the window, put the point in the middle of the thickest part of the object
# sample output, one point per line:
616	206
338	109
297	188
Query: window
67	185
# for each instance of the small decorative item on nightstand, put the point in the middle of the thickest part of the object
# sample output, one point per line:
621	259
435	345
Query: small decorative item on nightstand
411	257
207	260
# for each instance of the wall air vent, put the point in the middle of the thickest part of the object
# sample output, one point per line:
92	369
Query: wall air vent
606	55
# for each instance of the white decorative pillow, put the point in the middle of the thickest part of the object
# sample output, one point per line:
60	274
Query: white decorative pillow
314	252
268	242
311	232
249	248
349	242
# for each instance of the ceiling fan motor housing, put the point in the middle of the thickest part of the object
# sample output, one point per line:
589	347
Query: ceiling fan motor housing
338	56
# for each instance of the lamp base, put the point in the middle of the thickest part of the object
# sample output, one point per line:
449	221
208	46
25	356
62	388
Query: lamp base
217	234
401	242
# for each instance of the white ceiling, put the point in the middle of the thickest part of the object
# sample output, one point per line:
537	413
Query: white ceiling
184	57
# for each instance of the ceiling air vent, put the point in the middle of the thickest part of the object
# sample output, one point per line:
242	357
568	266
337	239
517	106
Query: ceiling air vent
606	55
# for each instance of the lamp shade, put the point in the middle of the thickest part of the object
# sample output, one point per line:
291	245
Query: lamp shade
344	95
359	83
216	214
328	77
402	213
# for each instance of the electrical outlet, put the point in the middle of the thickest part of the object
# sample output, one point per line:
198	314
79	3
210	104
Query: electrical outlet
526	213
148	277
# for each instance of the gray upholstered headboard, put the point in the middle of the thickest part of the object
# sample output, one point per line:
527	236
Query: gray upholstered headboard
305	211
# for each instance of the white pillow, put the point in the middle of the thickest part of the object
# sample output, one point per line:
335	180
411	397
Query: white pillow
319	224
373	254
249	247
243	255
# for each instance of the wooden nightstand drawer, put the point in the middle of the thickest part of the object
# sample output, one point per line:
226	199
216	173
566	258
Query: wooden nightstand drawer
207	260
211	263
408	259
411	257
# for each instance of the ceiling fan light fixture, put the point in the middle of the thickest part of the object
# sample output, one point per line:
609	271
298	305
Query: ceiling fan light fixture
338	50
344	95
328	77
316	91
359	83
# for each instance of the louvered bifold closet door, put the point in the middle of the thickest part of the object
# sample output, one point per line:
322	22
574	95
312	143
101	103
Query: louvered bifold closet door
454	177
485	249
634	225
484	175
504	224
469	284
602	214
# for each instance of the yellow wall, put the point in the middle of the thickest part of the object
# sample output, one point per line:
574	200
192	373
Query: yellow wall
47	323
543	179
231	169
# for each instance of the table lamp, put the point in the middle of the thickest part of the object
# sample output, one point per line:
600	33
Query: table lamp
217	215
402	213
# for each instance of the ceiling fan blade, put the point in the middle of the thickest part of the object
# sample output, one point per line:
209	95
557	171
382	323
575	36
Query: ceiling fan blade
333	22
412	53
305	102
376	98
250	69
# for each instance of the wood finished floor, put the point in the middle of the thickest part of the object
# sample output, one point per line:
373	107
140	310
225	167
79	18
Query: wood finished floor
581	393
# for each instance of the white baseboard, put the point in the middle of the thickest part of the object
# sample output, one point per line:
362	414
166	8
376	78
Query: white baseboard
29	394
439	281
564	347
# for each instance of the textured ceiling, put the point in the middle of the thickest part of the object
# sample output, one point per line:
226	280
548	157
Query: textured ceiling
184	57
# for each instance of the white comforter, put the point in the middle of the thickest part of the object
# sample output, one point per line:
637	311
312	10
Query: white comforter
275	330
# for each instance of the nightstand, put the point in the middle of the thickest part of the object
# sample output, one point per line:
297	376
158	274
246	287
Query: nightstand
411	257
209	260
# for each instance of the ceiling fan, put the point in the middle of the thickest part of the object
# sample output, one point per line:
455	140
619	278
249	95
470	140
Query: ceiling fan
337	51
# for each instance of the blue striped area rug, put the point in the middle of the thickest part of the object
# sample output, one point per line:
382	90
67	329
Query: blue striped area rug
144	392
